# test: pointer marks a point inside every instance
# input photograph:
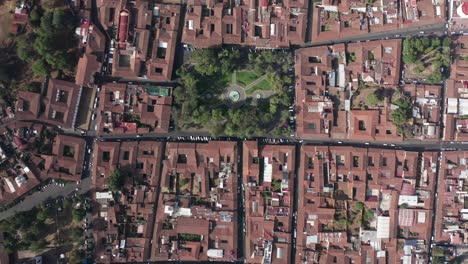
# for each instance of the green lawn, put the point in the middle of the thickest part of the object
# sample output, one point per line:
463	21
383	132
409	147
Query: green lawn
227	78
264	85
244	78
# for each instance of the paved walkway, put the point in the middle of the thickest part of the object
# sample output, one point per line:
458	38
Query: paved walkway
242	92
252	84
234	77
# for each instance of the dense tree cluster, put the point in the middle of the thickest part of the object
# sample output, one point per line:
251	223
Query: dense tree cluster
48	45
115	181
401	115
28	230
428	52
25	230
78	214
204	80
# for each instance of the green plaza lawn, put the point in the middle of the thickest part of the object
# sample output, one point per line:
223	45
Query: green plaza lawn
245	78
264	85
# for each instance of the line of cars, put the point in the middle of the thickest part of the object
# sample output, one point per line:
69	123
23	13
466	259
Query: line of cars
49	183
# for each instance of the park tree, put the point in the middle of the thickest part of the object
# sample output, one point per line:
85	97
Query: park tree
23	48
426	41
43	45
447	42
216	130
217	114
76	234
43	214
205	61
274	101
228	60
78	214
40	68
419	67
435	43
38	245
409	53
436	77
4	74
57	60
58	18
34	87
35	16
46	24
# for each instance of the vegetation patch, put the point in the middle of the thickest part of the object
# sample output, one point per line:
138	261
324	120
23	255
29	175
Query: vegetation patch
263	85
427	58
402	114
210	72
245	78
47	225
115	181
47	45
190	237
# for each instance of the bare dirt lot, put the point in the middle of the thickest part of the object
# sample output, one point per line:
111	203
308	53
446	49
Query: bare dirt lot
5	19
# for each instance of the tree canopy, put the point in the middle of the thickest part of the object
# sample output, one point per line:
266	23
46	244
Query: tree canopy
50	51
204	80
433	53
115	181
78	214
403	112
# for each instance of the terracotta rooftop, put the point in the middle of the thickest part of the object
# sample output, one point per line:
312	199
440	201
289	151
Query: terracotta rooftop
335	20
327	81
254	23
334	181
456	125
268	201
28	105
146	47
139	163
198	203
86	68
61	103
67	158
134	109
